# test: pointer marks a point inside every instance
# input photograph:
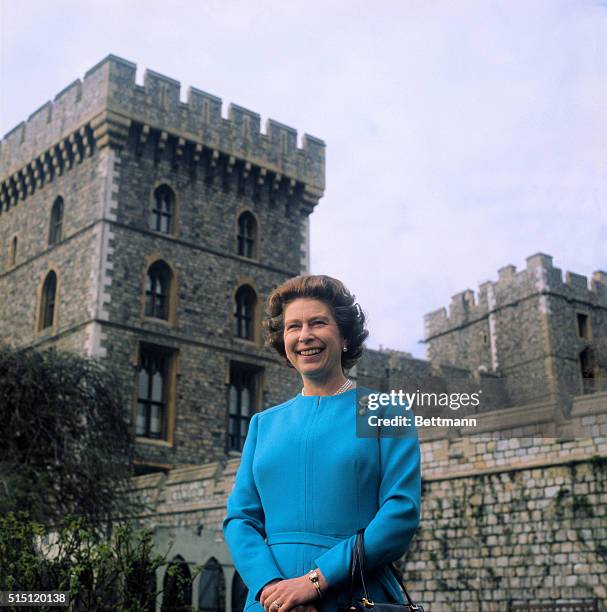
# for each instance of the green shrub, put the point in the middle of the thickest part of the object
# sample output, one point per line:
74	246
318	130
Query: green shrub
66	447
117	573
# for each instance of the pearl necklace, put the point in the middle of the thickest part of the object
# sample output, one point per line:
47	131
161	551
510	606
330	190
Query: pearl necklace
345	387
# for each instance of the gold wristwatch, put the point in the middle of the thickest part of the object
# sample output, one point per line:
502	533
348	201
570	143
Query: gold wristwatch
314	578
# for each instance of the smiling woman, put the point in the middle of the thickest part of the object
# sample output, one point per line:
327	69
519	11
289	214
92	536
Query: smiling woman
306	483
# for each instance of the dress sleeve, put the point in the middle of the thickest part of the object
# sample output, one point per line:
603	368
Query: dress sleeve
388	535
244	527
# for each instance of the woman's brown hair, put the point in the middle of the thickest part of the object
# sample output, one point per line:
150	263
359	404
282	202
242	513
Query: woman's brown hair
348	314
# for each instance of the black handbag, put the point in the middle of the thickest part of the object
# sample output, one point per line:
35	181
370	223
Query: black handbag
364	604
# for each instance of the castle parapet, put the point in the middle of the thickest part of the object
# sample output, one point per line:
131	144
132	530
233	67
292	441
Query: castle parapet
539	277
108	101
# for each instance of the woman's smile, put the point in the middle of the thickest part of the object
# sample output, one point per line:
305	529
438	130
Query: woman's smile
310	354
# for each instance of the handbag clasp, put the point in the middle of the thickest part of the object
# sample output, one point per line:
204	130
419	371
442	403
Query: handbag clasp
367	602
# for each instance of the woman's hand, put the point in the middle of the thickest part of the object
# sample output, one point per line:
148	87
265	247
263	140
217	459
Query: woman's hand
297	594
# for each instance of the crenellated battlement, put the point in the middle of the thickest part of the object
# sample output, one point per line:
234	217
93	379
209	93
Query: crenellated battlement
539	277
100	109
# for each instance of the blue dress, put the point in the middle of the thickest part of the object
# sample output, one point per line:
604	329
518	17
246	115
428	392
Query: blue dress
306	484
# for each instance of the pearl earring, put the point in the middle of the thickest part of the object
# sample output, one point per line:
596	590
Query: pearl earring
345	349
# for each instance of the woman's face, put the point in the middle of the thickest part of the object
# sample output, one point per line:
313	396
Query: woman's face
309	326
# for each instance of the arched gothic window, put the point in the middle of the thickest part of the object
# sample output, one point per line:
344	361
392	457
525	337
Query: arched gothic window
244	313
177	587
247	235
239	593
211	588
163	210
47	305
55	230
158	290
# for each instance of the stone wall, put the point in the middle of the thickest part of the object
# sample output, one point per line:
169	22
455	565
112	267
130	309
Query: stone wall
515	518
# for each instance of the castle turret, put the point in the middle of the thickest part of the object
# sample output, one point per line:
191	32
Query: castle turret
545	336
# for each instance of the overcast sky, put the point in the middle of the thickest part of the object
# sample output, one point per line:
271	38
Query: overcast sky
461	136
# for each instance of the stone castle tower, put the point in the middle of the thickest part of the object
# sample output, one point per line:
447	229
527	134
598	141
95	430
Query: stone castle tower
545	337
147	230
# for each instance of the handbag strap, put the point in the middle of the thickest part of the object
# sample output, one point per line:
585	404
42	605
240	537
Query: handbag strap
358	556
359	561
